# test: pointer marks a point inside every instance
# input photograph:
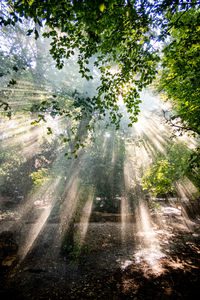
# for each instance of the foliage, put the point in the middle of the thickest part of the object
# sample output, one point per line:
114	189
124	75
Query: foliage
37	87
194	167
40	176
9	164
122	47
119	38
155	206
166	170
179	80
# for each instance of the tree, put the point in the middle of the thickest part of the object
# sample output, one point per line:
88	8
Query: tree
166	170
180	74
119	35
117	32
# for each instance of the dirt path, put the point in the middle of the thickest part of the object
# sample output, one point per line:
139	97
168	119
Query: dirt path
161	262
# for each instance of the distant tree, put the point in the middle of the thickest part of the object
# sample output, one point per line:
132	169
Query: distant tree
166	170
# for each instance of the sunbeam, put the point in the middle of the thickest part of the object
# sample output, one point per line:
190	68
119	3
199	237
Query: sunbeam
43	207
85	216
34	232
150	251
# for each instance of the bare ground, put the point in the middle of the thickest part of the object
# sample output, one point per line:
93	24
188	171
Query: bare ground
163	263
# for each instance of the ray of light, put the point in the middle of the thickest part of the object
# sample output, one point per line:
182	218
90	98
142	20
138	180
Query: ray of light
146	238
34	232
20	131
70	200
113	151
149	127
149	148
125	219
84	221
47	201
32	91
150	251
129	182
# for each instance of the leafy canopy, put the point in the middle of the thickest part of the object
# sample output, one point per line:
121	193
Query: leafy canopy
180	75
117	33
120	35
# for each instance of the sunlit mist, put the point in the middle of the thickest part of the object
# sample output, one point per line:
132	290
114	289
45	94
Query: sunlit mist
150	251
96	187
34	232
44	208
84	220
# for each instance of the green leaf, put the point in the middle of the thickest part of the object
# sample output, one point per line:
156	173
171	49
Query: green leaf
102	7
29	32
49	130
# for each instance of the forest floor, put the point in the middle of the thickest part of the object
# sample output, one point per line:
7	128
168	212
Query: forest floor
162	263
